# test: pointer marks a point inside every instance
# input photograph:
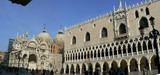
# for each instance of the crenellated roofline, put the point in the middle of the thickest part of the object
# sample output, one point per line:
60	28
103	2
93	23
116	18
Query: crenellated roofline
111	13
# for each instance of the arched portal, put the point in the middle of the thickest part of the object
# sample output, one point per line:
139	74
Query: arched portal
77	69
153	64
144	63
32	61
105	68
67	69
97	67
123	66
133	65
72	69
83	68
114	65
32	58
90	68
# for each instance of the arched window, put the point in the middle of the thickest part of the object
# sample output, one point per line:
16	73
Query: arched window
144	22
122	29
147	11
73	40
87	38
136	14
104	33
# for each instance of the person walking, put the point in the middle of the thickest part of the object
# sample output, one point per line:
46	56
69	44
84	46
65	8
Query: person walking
51	73
144	72
32	72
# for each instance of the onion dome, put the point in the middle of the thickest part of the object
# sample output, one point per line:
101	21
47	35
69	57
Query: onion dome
44	36
59	38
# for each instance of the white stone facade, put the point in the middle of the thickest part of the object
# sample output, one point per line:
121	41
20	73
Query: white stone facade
34	53
113	41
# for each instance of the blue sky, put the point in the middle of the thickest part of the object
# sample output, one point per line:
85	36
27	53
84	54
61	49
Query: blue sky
16	18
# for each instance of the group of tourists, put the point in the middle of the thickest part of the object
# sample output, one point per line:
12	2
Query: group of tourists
21	71
119	71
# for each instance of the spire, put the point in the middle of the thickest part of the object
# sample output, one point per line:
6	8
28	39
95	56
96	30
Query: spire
26	33
44	30
60	31
17	34
120	4
114	9
125	5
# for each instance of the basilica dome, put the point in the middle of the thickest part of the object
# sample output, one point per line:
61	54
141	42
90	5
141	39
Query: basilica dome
59	38
44	36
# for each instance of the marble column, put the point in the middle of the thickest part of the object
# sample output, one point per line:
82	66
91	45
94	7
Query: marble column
128	68
139	68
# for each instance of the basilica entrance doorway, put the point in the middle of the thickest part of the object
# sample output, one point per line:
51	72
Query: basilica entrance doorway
32	61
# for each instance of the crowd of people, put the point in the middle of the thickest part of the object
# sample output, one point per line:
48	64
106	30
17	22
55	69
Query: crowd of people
119	71
20	71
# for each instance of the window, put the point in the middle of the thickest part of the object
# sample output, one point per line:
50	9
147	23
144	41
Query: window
136	14
147	11
73	40
87	37
122	29
94	25
144	22
104	33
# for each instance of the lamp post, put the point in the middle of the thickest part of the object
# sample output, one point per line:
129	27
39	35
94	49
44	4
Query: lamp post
153	34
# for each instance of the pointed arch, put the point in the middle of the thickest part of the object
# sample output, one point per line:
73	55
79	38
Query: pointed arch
106	51
110	51
153	62
149	45
115	51
144	63
119	50
102	52
123	64
124	49
67	69
114	65
95	54
134	47
139	46
147	11
129	48
74	40
87	37
144	46
133	65
83	68
104	32
136	14
97	67
99	53
77	69
105	68
122	28
72	68
90	68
